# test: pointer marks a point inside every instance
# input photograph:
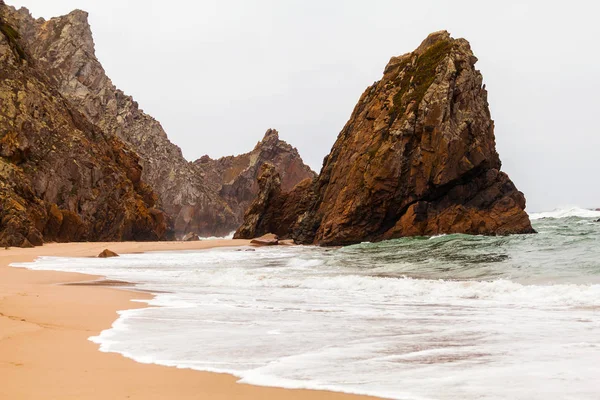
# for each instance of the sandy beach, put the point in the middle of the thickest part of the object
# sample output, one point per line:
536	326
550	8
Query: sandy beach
45	324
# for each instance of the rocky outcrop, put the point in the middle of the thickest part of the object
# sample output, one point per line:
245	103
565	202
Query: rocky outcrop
63	48
207	199
236	176
417	157
61	177
273	209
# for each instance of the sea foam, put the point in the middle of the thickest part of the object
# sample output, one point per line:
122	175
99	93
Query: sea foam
572	211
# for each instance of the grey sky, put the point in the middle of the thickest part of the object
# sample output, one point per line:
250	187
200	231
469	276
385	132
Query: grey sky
218	73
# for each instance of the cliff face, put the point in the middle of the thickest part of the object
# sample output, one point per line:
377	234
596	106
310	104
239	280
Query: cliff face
208	197
417	157
61	178
237	176
63	47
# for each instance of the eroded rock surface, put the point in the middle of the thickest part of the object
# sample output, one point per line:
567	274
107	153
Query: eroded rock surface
237	175
61	177
63	48
208	199
417	157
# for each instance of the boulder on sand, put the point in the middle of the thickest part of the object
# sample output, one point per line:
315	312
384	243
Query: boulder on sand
269	239
190	237
107	253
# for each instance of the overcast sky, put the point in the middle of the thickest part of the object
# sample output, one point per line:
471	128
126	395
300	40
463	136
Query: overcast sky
217	74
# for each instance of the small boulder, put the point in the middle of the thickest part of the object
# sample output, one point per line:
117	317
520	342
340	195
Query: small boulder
269	239
107	253
287	242
191	237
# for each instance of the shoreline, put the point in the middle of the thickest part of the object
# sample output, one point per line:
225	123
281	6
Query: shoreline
46	318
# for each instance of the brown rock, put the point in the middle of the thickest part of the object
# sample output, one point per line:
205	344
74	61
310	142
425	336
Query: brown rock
268	239
63	50
190	237
236	176
61	177
274	210
205	197
26	244
287	242
107	253
417	157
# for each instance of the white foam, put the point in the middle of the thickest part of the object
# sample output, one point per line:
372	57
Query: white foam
230	236
289	317
566	212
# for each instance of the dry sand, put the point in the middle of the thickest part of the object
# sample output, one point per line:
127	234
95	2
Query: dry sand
44	327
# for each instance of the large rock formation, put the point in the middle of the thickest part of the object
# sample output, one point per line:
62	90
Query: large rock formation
63	47
237	175
264	215
207	199
417	157
61	178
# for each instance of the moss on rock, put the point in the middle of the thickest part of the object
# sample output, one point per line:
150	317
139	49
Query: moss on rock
417	77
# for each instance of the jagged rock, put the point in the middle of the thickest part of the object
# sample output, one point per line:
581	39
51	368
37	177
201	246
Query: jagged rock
107	253
63	49
188	192
268	239
61	178
237	175
190	237
274	210
417	157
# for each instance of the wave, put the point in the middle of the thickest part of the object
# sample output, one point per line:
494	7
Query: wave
567	212
230	236
354	320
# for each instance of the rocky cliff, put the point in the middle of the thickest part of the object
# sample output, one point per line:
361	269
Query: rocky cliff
417	157
237	176
63	47
204	198
61	177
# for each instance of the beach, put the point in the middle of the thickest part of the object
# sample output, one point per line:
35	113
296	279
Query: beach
46	320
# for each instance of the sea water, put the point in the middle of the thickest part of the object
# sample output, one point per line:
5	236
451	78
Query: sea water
447	317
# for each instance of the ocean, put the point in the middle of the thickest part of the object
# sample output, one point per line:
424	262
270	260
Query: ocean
446	317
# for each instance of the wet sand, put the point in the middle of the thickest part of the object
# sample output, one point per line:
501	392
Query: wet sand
46	318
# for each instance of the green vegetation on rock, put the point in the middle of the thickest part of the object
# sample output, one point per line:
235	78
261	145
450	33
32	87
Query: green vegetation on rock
12	36
418	77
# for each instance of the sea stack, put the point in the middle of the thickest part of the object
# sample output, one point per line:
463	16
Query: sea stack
417	157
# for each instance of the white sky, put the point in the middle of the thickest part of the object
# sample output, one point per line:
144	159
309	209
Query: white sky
218	73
